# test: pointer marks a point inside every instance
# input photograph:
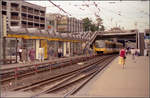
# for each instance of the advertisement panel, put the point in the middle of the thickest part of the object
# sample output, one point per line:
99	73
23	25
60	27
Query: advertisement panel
44	45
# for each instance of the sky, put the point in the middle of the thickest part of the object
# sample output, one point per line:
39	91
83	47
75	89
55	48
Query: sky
124	14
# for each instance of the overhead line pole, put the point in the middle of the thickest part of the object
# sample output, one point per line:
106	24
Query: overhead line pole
1	35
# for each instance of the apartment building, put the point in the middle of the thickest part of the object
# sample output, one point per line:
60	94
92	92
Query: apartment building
71	24
51	22
23	14
63	24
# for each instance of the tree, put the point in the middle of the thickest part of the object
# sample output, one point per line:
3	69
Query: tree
94	27
86	24
102	28
100	24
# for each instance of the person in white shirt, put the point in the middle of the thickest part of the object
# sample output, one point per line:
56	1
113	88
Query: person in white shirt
59	52
20	53
133	53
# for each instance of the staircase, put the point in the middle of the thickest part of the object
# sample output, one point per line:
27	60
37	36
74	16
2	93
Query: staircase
91	37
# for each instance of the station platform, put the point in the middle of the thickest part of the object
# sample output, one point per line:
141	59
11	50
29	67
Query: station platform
114	81
21	65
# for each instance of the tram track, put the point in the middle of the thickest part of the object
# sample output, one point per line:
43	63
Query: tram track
75	69
83	77
77	88
31	70
39	76
59	82
67	83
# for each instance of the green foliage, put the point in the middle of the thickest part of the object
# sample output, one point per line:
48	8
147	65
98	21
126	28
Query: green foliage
102	28
86	24
94	27
89	26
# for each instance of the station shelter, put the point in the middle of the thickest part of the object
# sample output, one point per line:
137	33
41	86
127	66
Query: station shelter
37	41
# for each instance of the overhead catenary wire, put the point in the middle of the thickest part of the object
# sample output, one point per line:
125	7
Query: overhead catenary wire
86	6
61	9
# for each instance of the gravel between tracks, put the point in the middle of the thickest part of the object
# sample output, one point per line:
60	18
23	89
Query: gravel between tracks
42	76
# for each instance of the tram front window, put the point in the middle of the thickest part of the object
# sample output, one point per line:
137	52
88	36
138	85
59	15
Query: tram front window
100	44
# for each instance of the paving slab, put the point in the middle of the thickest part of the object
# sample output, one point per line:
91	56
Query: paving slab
114	81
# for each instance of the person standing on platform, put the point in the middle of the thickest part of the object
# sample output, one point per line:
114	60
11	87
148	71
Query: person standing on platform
31	54
20	54
133	54
59	52
24	53
122	57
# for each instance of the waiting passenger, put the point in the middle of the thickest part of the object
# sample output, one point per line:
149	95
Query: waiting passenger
49	52
122	57
20	53
59	52
24	55
32	54
133	54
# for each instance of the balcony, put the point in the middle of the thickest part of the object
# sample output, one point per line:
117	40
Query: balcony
36	12
24	25
42	14
36	20
24	10
42	21
30	10
42	27
30	26
36	26
4	7
30	19
15	17
24	18
14	9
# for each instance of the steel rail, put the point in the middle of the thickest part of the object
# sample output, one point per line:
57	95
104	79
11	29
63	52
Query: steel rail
64	83
74	90
43	69
51	77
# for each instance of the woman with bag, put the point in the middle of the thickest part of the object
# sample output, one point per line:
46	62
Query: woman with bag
122	57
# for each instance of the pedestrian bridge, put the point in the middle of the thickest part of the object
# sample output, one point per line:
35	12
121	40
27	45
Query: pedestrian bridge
132	36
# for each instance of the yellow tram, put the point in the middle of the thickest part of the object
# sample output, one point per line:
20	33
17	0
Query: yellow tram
106	47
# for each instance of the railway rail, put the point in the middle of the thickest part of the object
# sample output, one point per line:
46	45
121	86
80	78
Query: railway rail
78	80
39	74
74	77
38	68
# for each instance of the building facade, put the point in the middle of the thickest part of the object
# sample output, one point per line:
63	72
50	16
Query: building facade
51	22
23	14
63	24
69	25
